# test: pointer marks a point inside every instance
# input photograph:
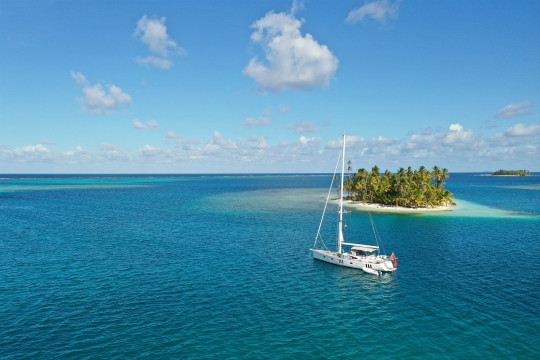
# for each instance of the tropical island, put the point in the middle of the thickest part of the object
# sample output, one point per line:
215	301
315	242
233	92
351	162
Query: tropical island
405	190
501	172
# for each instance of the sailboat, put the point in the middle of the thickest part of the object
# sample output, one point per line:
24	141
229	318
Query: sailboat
359	256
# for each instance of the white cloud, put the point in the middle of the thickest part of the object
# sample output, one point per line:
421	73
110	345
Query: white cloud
46	142
148	150
379	10
523	130
220	141
153	33
457	136
303	127
97	100
110	152
262	120
518	134
352	142
293	60
77	155
258	142
512	110
297	5
150	125
172	135
304	140
79	78
38	152
454	147
152	60
257	122
455	127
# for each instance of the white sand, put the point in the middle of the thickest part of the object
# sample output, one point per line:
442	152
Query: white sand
389	208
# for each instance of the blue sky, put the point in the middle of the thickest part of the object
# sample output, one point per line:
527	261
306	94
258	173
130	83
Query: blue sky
268	86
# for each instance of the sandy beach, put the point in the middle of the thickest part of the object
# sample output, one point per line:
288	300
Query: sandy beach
389	208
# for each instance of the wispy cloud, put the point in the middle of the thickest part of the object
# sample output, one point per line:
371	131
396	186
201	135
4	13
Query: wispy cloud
293	60
262	120
512	110
153	33
172	135
97	100
284	109
150	125
379	10
257	122
155	61
303	127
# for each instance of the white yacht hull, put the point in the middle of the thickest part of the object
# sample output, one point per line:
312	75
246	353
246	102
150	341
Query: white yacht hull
370	264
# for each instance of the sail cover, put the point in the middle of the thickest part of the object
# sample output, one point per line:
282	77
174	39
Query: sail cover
366	248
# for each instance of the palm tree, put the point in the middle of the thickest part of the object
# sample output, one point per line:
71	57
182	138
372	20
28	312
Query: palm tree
448	198
406	187
445	174
416	198
437	176
383	189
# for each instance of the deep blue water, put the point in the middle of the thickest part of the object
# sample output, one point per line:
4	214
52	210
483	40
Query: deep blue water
215	267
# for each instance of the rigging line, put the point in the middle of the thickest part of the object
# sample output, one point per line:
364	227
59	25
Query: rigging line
326	247
327	197
376	233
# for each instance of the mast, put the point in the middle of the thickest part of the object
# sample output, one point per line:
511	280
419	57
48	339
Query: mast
340	228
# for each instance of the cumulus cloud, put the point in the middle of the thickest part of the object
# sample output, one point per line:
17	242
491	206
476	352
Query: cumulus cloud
153	33
32	153
293	60
305	140
97	99
455	147
512	110
523	130
303	127
516	135
150	125
379	10
456	135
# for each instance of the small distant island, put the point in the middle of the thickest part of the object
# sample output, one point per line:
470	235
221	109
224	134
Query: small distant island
511	173
405	190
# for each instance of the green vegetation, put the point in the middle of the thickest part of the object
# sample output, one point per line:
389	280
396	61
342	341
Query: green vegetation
406	188
512	172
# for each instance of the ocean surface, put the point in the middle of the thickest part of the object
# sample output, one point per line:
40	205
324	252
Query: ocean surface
218	267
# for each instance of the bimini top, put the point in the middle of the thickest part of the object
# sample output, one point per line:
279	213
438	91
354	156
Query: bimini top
365	248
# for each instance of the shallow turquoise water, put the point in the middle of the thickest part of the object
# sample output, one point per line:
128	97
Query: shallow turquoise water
218	267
